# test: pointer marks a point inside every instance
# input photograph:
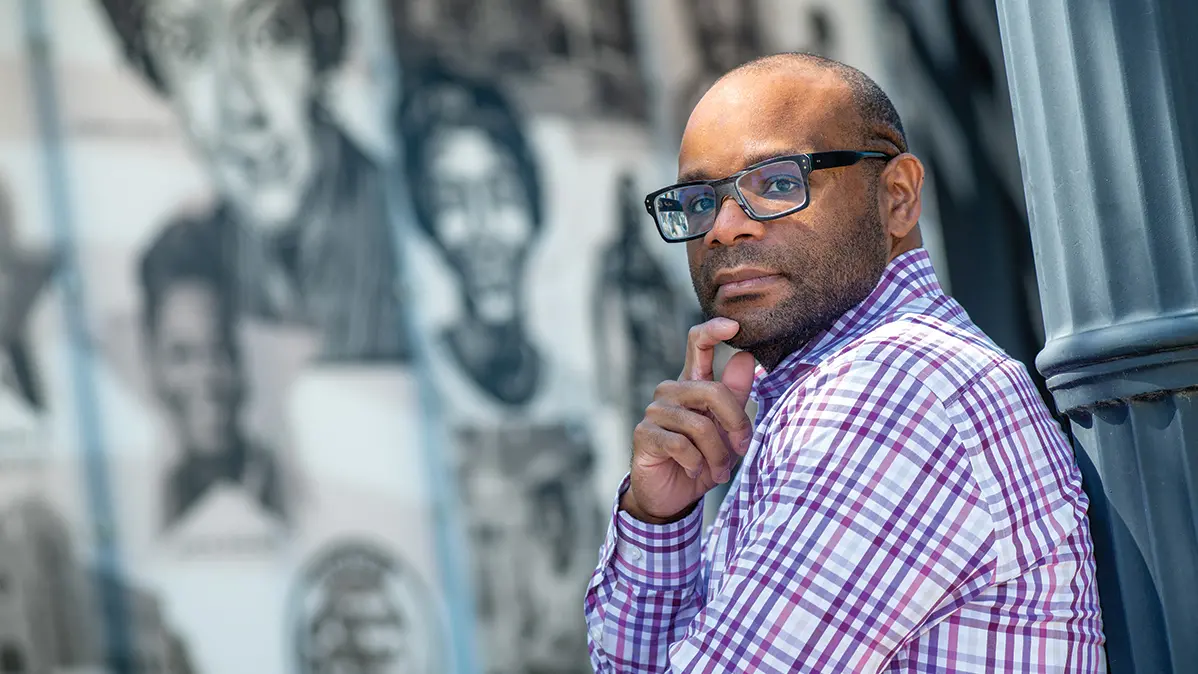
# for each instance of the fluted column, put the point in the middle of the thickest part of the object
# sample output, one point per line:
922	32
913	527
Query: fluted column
1105	95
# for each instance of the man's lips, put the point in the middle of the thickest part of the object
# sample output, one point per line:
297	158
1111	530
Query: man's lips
733	282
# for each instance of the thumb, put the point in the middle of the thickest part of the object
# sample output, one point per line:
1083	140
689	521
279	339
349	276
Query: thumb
738	375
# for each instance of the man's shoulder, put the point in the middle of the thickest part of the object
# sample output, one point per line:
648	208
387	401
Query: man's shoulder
944	356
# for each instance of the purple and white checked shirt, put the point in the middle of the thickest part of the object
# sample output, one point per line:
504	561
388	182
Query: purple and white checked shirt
907	505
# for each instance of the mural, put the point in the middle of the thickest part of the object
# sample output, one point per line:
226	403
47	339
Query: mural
188	318
356	609
23	276
299	225
477	196
642	319
49	621
525	469
348	267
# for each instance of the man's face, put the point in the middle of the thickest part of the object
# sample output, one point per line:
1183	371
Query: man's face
240	75
813	265
482	219
193	367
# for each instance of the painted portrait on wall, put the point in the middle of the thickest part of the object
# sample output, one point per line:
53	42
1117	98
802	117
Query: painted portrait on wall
532	522
198	377
524	466
301	215
578	59
358	609
476	192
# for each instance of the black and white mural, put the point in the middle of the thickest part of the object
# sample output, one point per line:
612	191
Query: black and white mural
198	377
577	58
355	608
300	297
24	274
524	463
299	222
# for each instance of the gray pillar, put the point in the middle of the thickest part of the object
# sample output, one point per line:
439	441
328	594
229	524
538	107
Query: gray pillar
1105	94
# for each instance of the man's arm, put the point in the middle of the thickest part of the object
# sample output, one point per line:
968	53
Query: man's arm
645	592
866	526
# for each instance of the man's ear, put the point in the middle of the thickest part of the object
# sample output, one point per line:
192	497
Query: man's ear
899	195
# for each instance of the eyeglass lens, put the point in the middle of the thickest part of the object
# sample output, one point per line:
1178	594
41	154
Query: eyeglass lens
768	190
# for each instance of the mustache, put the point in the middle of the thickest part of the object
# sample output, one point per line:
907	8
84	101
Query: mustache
741	255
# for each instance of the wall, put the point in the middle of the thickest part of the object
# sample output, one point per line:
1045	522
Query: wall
325	323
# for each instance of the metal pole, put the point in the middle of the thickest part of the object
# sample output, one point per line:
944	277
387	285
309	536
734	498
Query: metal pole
1105	95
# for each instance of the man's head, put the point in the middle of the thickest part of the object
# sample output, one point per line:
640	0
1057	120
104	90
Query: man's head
188	324
244	76
476	189
815	264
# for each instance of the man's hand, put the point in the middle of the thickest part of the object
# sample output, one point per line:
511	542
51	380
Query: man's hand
692	431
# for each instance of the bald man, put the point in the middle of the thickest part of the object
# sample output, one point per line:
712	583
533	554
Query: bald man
905	502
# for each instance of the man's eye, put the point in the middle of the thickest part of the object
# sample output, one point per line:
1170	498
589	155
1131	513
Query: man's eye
781	185
701	205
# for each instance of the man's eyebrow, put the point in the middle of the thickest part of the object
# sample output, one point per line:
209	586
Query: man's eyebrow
749	160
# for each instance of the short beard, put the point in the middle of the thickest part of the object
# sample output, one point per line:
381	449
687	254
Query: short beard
823	289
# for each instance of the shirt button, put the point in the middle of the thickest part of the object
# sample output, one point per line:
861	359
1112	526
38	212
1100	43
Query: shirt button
635	553
596	633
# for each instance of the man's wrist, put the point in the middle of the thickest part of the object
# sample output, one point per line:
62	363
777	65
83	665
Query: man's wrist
629	505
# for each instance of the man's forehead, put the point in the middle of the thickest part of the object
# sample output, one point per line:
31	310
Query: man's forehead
749	118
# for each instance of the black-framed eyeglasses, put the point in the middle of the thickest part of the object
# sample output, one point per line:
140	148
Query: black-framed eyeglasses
767	190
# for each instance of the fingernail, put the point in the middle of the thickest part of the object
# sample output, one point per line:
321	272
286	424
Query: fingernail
692	474
725	475
744	444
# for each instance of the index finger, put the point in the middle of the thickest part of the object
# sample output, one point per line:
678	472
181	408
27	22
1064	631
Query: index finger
700	347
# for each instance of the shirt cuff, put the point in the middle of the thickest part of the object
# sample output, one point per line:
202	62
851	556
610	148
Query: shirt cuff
657	556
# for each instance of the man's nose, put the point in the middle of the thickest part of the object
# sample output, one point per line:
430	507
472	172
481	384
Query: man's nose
733	225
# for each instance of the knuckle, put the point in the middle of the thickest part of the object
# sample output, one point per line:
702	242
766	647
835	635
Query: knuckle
655	410
664	389
701	425
642	432
675	444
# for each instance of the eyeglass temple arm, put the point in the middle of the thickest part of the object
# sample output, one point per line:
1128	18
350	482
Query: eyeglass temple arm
837	158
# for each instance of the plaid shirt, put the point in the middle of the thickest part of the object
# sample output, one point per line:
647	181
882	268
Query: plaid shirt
907	505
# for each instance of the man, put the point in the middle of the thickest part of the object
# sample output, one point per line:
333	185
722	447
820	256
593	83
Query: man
302	215
905	501
196	371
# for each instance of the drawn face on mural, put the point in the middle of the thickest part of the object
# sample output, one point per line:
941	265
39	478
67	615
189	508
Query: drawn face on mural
239	73
194	368
482	219
361	630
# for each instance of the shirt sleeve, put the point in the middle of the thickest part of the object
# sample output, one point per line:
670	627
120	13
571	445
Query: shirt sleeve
865	525
645	591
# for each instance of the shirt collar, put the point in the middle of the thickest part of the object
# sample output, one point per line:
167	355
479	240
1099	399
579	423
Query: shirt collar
908	277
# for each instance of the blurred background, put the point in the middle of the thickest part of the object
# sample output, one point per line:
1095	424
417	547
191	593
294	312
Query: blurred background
324	323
